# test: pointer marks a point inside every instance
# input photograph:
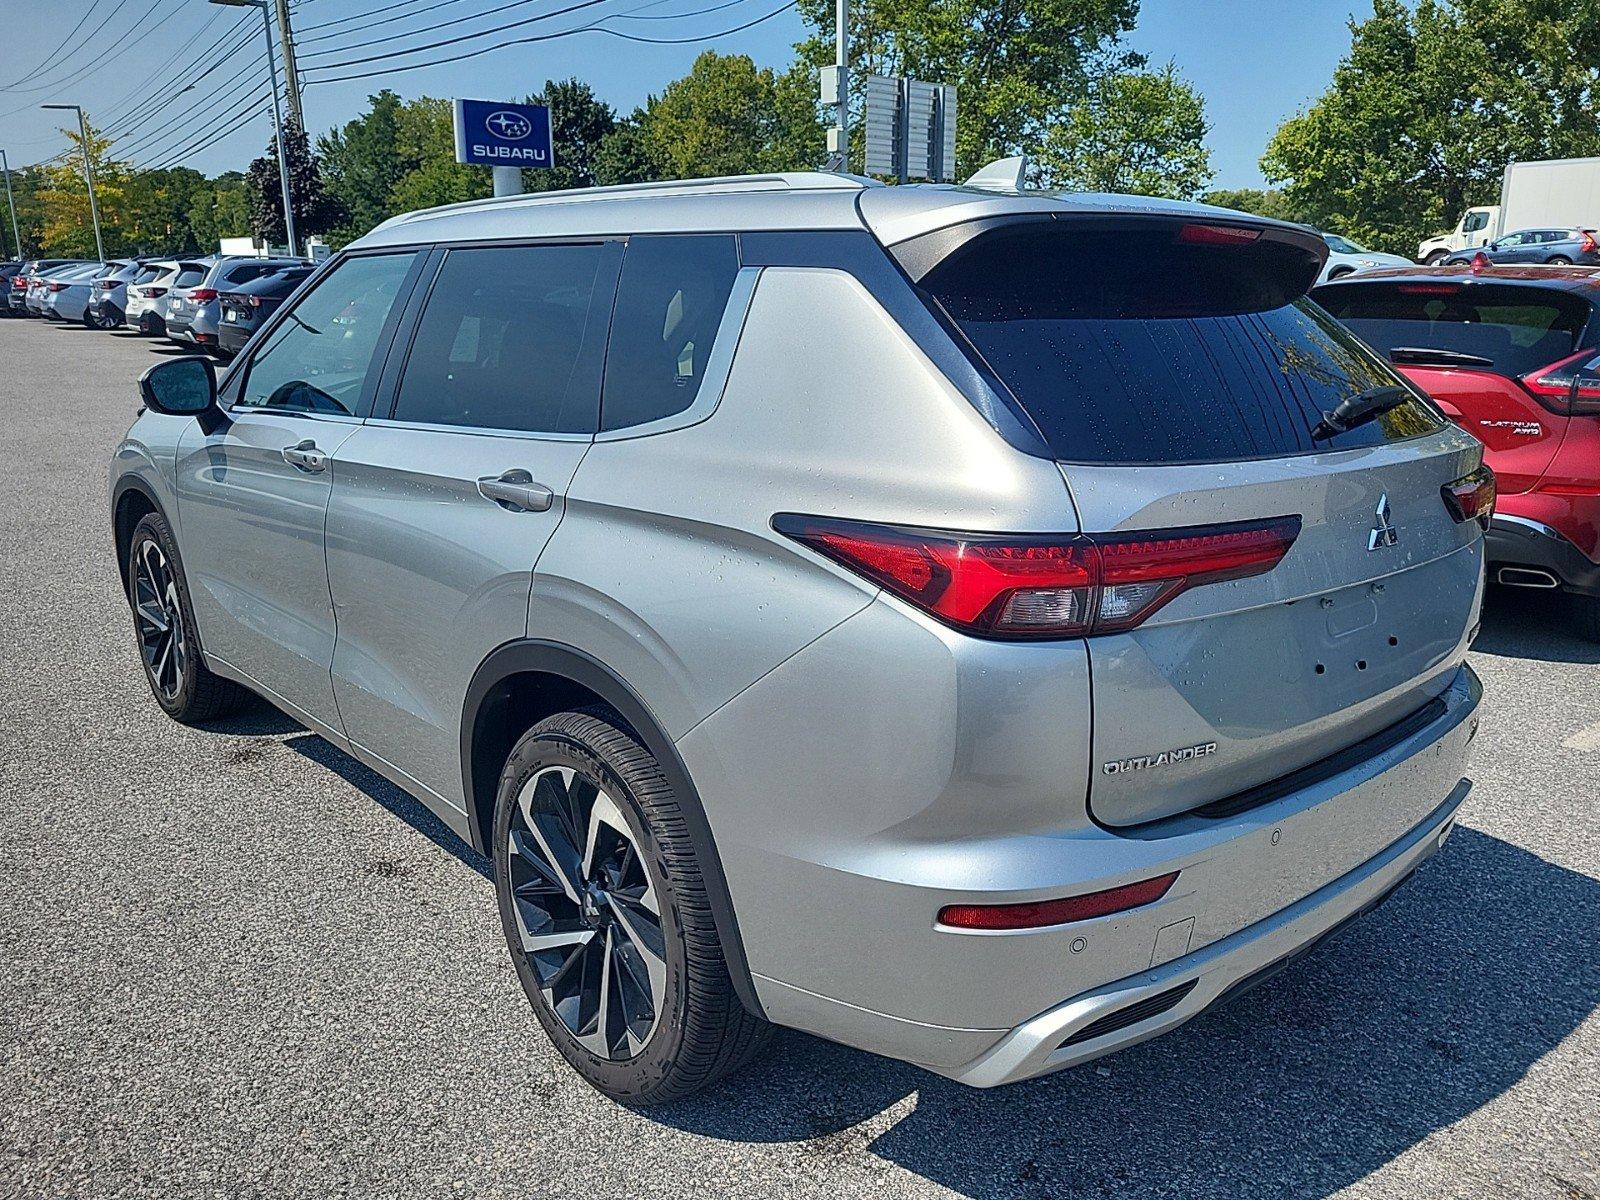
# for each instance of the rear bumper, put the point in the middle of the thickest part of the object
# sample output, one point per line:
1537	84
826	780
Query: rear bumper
1521	544
231	338
1141	1007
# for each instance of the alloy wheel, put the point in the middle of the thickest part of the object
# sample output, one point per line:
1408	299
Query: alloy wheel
159	617
588	917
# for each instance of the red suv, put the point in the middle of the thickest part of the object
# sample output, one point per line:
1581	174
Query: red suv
1511	354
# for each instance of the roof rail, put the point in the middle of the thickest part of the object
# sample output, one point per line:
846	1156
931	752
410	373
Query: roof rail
721	185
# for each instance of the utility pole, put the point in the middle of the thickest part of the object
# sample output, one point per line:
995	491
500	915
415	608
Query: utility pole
88	175
277	115
291	71
16	236
836	90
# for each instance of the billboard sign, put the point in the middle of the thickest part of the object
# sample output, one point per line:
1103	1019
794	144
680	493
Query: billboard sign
492	134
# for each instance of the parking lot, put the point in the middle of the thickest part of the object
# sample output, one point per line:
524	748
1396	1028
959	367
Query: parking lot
236	962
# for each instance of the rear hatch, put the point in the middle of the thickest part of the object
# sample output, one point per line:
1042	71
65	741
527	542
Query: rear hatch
1480	348
1179	376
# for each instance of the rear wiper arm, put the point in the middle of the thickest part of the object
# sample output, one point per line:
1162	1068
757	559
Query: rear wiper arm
1423	355
1358	410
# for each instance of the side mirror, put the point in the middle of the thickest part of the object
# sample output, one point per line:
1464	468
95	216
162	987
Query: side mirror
183	387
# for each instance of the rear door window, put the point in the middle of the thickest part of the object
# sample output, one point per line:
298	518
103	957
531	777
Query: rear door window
1510	329
1132	348
670	302
512	338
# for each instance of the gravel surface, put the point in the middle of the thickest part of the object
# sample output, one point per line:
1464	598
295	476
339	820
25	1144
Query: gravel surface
234	962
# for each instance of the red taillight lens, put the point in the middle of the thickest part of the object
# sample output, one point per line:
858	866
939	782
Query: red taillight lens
255	301
1044	587
1472	497
1216	235
1480	263
1057	912
19	284
1586	242
58	287
154	293
203	295
1552	386
1429	289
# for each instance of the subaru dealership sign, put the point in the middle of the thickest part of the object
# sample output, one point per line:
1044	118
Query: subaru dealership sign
491	134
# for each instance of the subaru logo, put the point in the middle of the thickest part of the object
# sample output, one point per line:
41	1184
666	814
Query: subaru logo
508	126
1383	533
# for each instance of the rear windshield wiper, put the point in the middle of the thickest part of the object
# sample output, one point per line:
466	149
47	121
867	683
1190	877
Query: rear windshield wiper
1358	410
1423	356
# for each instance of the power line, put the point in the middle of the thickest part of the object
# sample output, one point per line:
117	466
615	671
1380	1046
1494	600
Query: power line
593	27
363	17
44	63
81	45
158	96
211	139
130	126
466	37
158	141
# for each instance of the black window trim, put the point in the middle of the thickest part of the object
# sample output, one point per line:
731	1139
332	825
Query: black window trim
398	355
233	383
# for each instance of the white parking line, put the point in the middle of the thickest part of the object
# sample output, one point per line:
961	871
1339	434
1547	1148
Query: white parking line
1585	739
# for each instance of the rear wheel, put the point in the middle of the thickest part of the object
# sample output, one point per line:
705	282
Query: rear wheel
1437	257
1558	260
163	621
1586	615
606	915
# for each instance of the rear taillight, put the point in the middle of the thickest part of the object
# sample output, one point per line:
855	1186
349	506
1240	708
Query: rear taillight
1044	587
1586	242
154	293
1057	912
203	295
1471	498
19	284
58	287
1429	289
1480	263
255	301
1553	386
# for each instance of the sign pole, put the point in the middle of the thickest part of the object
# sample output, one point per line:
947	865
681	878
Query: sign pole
507	181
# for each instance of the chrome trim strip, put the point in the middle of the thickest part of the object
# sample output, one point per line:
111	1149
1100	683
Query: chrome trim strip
1537	527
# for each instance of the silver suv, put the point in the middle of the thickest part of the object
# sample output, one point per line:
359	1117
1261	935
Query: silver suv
983	627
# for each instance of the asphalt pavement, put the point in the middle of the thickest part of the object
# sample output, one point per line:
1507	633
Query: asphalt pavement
234	962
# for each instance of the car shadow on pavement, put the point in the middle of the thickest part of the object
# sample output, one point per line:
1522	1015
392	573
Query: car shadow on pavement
1524	623
1423	1012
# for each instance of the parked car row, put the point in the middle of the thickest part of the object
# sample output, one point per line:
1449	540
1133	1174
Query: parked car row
211	303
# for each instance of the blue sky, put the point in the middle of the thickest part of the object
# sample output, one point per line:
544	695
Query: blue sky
1255	61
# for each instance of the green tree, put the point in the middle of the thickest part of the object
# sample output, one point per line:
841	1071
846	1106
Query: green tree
218	210
1269	202
1429	106
1134	131
629	154
1021	65
315	211
579	124
426	136
67	227
362	163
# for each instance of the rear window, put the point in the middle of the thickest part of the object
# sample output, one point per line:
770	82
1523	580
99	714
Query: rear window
1512	329
1132	347
189	275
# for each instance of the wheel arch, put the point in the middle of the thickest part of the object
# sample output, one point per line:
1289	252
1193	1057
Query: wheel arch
561	677
131	501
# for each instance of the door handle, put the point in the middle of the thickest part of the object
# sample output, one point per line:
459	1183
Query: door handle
304	456
516	491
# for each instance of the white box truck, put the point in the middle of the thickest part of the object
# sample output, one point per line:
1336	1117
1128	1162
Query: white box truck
1554	193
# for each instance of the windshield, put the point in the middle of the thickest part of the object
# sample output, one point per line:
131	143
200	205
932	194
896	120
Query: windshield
1341	245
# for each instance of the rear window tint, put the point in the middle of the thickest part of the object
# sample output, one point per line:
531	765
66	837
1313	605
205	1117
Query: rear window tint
1515	329
1128	353
189	276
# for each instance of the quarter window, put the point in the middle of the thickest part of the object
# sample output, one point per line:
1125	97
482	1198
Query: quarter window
318	358
512	338
670	301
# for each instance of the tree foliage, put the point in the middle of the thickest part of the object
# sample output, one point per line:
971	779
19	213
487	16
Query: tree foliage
579	123
1269	202
1134	131
315	210
1429	106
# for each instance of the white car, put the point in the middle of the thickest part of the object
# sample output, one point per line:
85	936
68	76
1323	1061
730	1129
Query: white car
1346	258
145	295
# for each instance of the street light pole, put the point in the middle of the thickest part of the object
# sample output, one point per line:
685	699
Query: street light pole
5	168
88	175
277	115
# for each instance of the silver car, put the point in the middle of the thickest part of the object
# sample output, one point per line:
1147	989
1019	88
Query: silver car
901	614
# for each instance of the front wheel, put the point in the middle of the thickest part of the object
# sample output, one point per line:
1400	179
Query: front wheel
606	915
163	621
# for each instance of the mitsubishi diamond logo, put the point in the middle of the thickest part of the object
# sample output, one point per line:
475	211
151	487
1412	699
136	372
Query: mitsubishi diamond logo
1383	533
510	126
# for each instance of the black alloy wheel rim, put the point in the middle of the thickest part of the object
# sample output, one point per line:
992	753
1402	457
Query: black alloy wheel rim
158	616
588	919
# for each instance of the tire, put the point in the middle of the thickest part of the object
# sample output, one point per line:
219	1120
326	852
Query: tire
1340	273
1435	258
639	1003
1558	260
163	626
1586	617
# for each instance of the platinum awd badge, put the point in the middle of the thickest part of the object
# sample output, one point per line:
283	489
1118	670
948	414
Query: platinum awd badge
1121	766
